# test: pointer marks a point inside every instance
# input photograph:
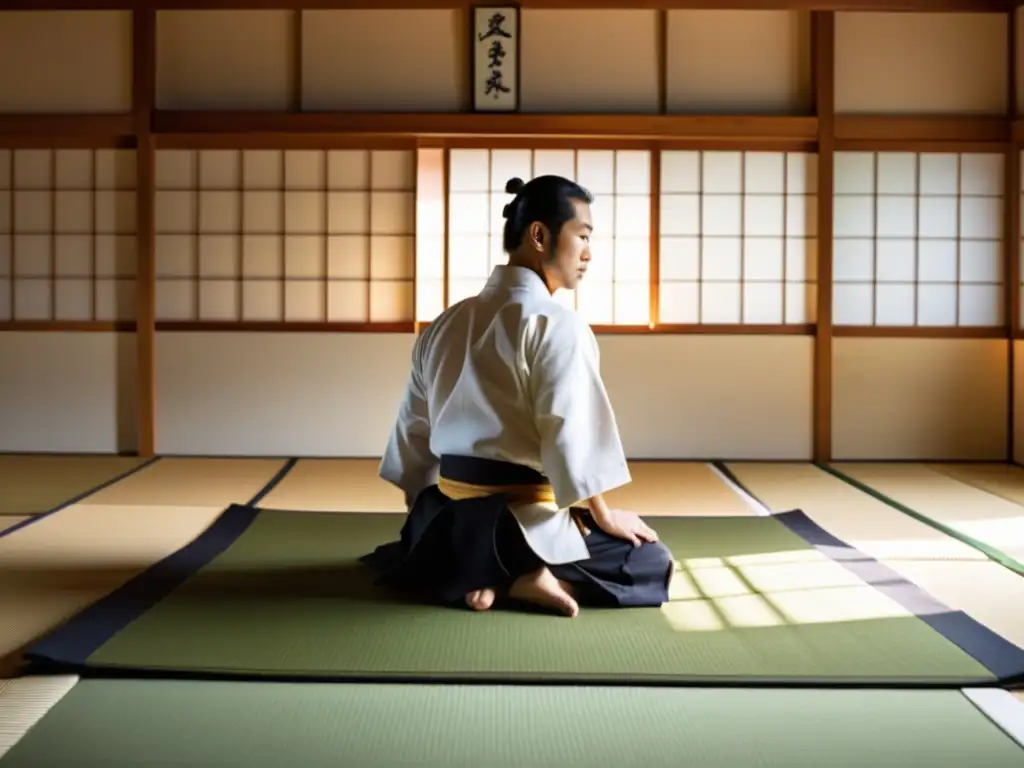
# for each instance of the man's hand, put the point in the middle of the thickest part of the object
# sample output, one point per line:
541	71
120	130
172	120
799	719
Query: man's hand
624	525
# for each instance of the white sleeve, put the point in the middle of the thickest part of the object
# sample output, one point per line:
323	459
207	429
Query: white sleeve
408	462
581	451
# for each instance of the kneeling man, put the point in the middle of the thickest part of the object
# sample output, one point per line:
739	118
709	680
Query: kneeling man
506	440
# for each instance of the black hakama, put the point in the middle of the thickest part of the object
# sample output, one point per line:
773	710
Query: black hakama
449	548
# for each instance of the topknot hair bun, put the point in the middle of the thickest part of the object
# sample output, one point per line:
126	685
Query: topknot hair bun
514	185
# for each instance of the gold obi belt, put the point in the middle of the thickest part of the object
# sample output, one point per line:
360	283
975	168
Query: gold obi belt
526	494
527	486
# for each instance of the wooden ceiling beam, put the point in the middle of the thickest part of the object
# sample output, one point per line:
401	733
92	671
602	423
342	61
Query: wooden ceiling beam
60	124
285	129
930	6
949	128
67	131
490	125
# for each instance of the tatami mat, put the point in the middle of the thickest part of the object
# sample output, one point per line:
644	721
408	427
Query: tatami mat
121	723
188	482
677	488
54	568
954	573
31	485
950	499
282	596
1006	480
335	485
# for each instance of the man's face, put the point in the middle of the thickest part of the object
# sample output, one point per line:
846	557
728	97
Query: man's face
572	251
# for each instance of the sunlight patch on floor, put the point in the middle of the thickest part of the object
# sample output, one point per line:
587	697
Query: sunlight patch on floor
712	594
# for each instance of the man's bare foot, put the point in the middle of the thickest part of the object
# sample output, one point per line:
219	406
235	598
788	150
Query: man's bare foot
480	599
543	589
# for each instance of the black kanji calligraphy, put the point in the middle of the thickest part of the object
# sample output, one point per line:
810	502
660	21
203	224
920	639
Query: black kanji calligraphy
495	84
495	54
494	27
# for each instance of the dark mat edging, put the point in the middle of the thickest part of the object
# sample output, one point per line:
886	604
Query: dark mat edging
83	634
33	519
273	482
992	553
997	654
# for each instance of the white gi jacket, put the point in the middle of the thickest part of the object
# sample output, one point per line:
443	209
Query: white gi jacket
512	375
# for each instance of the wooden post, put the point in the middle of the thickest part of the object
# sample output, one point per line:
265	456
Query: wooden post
143	98
823	44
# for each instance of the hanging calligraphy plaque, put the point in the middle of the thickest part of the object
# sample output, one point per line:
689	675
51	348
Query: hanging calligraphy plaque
495	58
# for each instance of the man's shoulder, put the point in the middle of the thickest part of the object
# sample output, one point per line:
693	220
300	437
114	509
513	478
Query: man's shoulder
543	318
435	329
445	316
563	319
558	327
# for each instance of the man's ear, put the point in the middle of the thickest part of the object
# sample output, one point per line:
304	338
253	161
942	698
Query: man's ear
538	236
